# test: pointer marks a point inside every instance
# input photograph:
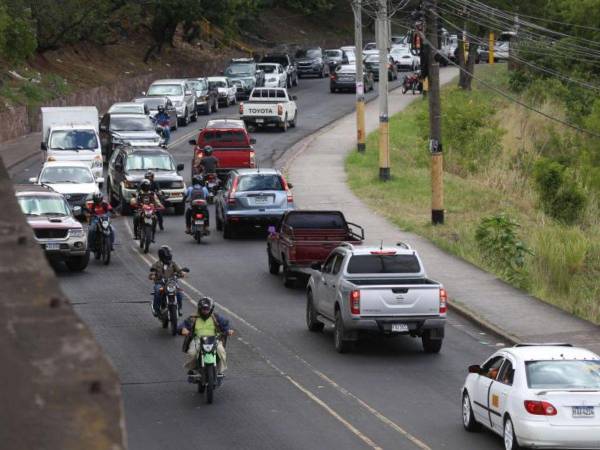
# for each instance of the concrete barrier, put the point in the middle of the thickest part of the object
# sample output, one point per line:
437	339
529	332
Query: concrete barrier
57	389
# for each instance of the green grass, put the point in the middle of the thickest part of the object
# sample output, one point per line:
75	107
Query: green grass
487	172
32	93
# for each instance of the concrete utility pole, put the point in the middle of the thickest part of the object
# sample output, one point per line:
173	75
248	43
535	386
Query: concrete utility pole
360	86
435	118
384	132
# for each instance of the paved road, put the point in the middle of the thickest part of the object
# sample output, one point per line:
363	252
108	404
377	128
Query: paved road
286	388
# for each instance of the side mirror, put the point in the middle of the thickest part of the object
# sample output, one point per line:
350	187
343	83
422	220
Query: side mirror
475	369
33	180
43	146
100	180
180	167
290	185
188	93
77	211
185	269
271	229
192	142
316	266
252	141
143	93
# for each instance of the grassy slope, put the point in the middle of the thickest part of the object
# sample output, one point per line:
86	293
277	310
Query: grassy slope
488	175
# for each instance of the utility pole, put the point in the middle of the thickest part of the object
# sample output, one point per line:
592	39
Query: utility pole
384	132
435	118
360	86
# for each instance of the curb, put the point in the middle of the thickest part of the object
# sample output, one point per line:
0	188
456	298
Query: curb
460	309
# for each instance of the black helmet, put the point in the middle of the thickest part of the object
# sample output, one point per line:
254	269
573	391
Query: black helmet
149	175
97	198
206	305
145	185
208	150
197	179
165	255
160	108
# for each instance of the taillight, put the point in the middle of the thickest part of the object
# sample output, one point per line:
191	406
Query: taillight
241	108
540	408
231	198
199	216
290	196
252	159
443	301
355	302
280	109
333	76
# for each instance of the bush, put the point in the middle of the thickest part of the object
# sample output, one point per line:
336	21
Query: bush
559	193
17	35
499	244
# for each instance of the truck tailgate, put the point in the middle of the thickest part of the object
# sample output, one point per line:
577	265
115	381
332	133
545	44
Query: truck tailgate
315	245
234	158
399	300
259	109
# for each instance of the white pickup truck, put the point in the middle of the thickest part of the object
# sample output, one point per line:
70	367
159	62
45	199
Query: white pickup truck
70	133
270	106
363	289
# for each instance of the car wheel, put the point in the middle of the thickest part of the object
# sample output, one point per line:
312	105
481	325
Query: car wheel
294	122
510	440
284	125
227	231
216	106
341	345
431	345
78	263
311	315
111	195
469	421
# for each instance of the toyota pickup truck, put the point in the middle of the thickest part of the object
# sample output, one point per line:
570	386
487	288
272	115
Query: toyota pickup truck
270	106
231	144
377	290
303	238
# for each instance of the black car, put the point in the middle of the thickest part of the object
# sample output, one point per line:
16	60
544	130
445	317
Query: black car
243	73
127	168
310	62
288	65
344	79
207	95
127	129
372	65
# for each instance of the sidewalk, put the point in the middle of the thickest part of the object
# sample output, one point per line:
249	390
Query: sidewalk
18	150
317	172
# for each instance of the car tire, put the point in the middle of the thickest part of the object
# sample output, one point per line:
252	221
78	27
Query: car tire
431	345
218	221
284	125
78	263
194	117
341	344
469	421
227	231
311	315
179	209
294	122
333	90
509	437
111	195
273	264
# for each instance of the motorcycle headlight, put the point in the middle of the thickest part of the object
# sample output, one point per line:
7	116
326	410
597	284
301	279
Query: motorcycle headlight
207	347
76	232
105	224
171	288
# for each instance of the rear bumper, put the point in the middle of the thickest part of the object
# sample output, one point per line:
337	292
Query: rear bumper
310	70
383	325
350	84
255	217
262	120
544	435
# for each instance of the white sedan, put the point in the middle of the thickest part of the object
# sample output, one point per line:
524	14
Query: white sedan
225	88
404	59
542	396
275	75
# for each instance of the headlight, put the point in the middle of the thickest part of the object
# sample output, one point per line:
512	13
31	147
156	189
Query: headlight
177	185
171	288
130	184
97	161
76	232
207	347
176	104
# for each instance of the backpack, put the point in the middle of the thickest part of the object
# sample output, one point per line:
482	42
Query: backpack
197	194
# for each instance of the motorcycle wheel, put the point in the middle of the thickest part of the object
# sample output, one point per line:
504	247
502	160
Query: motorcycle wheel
173	319
106	251
198	236
165	322
147	240
142	236
211	379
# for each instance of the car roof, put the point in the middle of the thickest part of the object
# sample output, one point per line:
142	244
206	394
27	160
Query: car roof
257	171
24	189
124	104
66	164
534	352
128	115
225	123
268	64
403	249
221	78
130	150
169	81
241	60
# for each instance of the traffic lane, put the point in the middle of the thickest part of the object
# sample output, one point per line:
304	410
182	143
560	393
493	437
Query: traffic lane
257	407
394	376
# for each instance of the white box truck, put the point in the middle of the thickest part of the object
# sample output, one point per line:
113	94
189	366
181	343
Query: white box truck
70	133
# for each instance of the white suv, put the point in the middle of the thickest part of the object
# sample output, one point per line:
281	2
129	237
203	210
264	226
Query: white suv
181	95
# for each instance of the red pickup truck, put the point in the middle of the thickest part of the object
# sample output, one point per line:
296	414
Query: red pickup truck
231	143
303	238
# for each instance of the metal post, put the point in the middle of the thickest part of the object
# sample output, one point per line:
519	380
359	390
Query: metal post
384	134
491	44
360	85
435	120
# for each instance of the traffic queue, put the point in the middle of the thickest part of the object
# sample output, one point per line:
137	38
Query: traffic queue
533	395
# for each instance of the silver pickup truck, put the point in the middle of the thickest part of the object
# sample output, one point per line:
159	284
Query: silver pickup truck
372	289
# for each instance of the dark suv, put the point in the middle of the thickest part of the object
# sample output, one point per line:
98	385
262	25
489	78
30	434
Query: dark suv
287	64
126	170
310	62
243	73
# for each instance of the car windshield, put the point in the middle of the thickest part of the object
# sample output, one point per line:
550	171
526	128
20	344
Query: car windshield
240	69
43	205
563	374
52	175
165	89
384	264
151	103
260	183
124	109
333	53
150	162
268	68
310	53
73	140
214	137
199	85
141	123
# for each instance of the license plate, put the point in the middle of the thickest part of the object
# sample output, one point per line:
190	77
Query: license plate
52	246
174	194
260	200
583	411
199	222
399	327
260	120
148	221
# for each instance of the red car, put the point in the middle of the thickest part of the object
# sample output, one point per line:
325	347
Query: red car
231	143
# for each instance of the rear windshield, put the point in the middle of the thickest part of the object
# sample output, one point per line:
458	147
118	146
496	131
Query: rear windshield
384	264
321	221
333	53
218	136
268	93
260	183
276	59
268	68
562	374
310	53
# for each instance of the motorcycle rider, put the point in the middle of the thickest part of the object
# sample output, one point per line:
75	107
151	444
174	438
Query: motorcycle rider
161	118
196	191
205	323
143	195
97	208
165	267
208	163
156	189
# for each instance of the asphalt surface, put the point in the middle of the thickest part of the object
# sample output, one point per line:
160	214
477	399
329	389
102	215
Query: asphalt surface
286	388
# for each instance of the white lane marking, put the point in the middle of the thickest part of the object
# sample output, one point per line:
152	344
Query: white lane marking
416	441
182	138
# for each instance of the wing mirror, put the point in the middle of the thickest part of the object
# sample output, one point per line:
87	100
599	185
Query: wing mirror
252	141
475	369
100	181
180	167
185	269
316	266
77	211
43	146
290	185
33	180
192	142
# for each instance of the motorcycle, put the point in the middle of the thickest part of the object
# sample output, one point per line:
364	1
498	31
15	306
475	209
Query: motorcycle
206	361
103	246
147	226
167	312
412	83
212	184
199	224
